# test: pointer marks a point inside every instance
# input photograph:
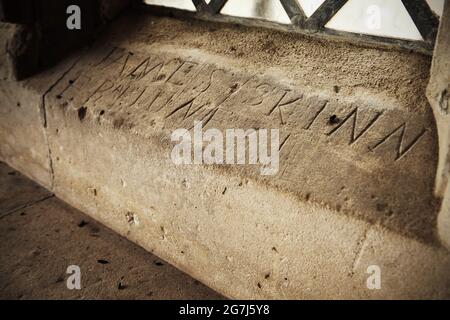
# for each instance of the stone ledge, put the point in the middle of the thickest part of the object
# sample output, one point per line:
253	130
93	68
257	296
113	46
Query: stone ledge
303	233
361	164
439	97
41	236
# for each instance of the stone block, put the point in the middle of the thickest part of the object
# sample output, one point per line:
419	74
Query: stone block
350	159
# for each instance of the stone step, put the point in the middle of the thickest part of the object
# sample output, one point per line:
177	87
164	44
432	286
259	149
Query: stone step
357	147
37	229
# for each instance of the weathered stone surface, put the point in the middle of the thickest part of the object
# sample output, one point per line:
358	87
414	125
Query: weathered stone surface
374	162
420	271
444	218
110	120
20	191
358	150
438	93
38	243
23	140
22	136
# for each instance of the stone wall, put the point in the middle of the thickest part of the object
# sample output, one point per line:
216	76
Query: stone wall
438	93
358	156
39	37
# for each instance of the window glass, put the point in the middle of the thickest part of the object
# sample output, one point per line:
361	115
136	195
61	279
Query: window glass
309	6
180	4
386	18
263	9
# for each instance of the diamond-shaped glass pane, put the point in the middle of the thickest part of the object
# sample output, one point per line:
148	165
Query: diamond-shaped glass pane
179	4
386	18
437	6
264	9
310	6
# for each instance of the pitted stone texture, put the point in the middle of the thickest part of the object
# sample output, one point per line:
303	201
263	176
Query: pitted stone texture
8	32
292	235
403	265
23	143
374	162
20	192
236	236
23	140
38	243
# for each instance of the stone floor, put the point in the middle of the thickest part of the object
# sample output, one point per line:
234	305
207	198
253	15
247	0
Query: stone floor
41	236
